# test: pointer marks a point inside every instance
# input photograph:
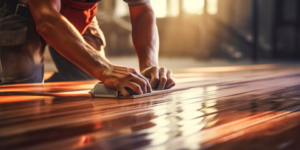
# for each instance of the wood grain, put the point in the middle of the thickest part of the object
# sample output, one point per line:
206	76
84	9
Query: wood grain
250	107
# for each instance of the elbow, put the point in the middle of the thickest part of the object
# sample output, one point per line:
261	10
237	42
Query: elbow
45	22
142	12
147	17
42	27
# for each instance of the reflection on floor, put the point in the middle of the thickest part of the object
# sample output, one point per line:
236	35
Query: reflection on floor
172	63
235	107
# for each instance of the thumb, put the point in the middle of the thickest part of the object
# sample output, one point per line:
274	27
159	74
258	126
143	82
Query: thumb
123	92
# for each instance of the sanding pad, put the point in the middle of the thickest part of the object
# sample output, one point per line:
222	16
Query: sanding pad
101	91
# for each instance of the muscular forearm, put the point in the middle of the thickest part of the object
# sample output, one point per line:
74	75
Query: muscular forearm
69	43
146	42
64	37
145	35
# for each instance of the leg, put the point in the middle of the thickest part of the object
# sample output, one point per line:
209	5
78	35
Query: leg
67	71
21	50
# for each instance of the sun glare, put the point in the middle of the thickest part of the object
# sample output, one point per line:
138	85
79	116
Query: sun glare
174	8
193	6
164	8
212	7
160	8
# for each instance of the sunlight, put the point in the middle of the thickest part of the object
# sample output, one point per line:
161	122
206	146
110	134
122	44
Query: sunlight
164	8
160	8
193	6
212	7
121	9
174	8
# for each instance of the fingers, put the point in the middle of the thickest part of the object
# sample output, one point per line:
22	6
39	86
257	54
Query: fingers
136	82
165	79
128	81
142	83
134	87
170	81
148	86
123	91
162	78
154	78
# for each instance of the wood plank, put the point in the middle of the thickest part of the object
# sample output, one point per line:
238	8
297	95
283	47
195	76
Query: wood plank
253	107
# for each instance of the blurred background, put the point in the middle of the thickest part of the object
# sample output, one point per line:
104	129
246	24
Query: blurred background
197	33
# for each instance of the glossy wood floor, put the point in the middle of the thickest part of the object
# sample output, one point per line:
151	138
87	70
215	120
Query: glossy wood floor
242	107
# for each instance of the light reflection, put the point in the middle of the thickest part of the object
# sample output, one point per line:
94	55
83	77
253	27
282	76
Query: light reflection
211	123
160	136
193	6
161	121
185	117
191	129
158	139
23	98
212	88
210	108
189	107
83	141
191	115
210	103
193	121
189	94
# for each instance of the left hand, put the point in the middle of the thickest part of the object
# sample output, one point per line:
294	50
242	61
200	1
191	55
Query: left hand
159	78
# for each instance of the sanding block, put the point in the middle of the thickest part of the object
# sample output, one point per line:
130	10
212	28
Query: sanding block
101	91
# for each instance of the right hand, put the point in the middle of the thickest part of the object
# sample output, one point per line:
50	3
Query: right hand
120	78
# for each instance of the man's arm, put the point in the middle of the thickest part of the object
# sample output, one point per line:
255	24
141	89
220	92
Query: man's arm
64	37
146	42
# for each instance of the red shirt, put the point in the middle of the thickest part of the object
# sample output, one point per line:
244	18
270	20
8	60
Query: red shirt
80	14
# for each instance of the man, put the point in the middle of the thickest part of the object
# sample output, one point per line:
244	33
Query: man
61	23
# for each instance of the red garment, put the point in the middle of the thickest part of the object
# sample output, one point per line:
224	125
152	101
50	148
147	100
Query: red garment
80	14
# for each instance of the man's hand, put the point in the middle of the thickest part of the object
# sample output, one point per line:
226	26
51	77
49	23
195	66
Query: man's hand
159	78
120	78
146	43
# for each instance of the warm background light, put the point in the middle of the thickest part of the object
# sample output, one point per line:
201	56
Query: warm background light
193	6
164	8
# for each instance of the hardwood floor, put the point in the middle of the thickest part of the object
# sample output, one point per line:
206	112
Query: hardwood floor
242	107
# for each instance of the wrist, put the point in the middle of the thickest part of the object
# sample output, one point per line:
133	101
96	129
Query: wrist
105	69
146	64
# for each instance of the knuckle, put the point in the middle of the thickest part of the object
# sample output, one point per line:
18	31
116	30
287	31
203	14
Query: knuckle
143	84
163	79
155	79
130	69
144	81
130	75
137	89
126	75
134	71
155	68
170	80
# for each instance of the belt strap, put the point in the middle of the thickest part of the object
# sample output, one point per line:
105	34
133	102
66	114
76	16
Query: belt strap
21	10
16	8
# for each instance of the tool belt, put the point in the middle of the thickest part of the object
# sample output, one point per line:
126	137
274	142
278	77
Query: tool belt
13	22
17	7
